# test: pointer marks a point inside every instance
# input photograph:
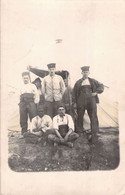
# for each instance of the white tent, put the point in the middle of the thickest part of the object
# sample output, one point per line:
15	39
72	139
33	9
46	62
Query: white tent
107	111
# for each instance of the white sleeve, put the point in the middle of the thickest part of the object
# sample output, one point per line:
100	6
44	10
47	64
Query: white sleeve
36	95
43	87
55	124
70	122
47	124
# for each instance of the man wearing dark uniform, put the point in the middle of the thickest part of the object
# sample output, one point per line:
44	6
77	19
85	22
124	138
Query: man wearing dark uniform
29	97
85	97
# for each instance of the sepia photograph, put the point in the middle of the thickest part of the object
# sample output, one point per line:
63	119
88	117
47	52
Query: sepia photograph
62	75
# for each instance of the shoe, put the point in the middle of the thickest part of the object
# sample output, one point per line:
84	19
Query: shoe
89	137
55	144
44	144
21	137
70	144
39	139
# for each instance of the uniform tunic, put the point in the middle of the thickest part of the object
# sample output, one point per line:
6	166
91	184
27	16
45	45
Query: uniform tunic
53	88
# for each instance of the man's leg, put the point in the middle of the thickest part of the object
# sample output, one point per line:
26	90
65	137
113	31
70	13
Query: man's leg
92	112
49	108
46	134
55	139
55	107
31	138
23	117
32	110
73	136
79	121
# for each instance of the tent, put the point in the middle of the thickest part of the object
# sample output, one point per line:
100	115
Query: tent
107	109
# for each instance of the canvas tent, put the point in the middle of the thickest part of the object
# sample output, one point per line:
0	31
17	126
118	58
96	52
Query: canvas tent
107	109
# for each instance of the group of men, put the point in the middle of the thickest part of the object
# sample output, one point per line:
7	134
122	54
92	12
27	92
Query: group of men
51	119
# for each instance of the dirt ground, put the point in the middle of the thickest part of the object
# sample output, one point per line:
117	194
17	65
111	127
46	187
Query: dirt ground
103	155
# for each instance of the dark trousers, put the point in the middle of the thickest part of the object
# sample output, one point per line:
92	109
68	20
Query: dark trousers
33	138
91	108
26	109
51	108
72	137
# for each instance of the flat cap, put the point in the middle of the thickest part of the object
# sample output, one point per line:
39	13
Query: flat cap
51	65
85	68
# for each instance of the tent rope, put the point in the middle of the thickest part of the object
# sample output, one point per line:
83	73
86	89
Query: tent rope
108	114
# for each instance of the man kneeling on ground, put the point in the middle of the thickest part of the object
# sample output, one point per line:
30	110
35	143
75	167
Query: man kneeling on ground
64	128
41	126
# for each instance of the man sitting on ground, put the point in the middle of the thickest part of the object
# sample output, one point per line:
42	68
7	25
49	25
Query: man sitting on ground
64	128
41	125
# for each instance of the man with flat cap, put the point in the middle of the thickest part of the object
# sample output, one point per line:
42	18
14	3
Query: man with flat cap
85	97
29	97
53	88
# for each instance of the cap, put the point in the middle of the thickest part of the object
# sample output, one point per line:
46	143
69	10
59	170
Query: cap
51	65
25	73
85	68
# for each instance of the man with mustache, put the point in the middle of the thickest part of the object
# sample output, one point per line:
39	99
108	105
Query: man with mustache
85	97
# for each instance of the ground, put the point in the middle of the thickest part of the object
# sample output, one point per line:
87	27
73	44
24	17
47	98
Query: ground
103	155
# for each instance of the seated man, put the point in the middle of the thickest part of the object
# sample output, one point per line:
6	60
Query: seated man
41	125
64	128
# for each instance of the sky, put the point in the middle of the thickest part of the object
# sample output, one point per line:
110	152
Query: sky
92	33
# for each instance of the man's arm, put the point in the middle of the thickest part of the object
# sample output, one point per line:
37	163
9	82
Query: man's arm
55	126
62	86
47	124
67	135
71	127
100	87
43	87
36	95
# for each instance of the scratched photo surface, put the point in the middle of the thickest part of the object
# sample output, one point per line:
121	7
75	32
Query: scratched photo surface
71	54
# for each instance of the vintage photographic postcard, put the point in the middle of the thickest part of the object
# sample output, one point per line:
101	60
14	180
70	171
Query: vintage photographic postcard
62	97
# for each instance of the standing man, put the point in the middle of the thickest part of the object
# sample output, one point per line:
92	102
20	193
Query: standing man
64	128
53	88
37	83
67	96
85	97
29	98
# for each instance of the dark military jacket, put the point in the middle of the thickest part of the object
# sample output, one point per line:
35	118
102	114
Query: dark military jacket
95	85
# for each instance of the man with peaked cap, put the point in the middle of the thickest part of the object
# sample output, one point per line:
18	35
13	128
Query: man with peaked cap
53	88
28	99
64	128
85	97
41	126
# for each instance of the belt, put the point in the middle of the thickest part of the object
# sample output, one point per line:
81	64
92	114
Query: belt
24	99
